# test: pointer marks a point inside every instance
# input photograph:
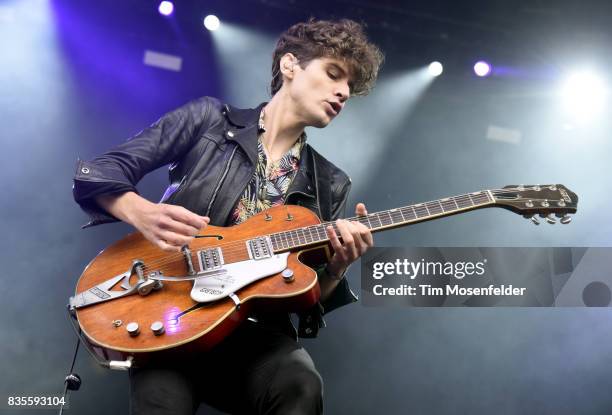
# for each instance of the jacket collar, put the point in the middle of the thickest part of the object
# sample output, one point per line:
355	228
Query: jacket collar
243	117
244	128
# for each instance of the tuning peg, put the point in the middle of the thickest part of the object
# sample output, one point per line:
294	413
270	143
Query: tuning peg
566	219
534	220
551	219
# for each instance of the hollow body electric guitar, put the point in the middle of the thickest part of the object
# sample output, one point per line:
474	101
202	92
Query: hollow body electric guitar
135	302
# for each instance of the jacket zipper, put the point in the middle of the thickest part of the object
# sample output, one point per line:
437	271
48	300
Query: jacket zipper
220	182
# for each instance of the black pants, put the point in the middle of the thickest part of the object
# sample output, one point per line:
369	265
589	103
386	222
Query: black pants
256	370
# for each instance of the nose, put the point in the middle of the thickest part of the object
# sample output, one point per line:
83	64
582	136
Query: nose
343	92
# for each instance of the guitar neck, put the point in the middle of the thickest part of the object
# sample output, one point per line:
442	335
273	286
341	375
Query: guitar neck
386	219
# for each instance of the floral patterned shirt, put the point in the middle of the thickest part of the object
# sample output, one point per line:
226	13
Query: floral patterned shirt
269	183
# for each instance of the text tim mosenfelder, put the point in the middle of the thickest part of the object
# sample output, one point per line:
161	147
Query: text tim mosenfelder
458	270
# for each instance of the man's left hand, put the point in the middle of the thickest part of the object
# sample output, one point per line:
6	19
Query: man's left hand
356	240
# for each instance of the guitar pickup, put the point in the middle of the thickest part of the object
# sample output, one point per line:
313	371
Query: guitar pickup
210	259
260	248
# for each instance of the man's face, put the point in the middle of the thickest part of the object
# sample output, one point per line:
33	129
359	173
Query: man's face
320	90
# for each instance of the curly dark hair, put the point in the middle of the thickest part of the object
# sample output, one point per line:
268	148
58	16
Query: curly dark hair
343	39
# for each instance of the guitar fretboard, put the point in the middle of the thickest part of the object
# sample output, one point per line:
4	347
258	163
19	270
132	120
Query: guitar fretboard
386	219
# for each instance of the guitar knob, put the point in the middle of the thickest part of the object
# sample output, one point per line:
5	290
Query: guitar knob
157	328
566	219
551	219
534	220
287	275
133	329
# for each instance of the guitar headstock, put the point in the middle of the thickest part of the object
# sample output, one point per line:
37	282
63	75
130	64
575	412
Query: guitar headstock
548	201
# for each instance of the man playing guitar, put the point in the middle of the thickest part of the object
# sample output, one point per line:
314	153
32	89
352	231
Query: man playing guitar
228	164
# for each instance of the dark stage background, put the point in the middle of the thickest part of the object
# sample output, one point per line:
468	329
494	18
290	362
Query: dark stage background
73	84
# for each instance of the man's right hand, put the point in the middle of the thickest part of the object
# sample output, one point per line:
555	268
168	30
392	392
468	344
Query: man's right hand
169	227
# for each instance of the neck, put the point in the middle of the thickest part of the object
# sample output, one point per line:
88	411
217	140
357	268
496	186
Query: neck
386	219
283	125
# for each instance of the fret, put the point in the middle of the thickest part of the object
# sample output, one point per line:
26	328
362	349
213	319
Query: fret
321	233
410	215
293	238
375	216
420	211
309	237
306	235
441	206
396	216
383	219
464	203
274	243
279	240
471	200
389	216
316	229
447	205
286	241
414	212
302	237
402	213
481	197
314	233
432	208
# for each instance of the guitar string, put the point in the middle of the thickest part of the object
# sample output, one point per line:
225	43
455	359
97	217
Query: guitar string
237	246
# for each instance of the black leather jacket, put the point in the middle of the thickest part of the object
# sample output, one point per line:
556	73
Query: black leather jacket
212	152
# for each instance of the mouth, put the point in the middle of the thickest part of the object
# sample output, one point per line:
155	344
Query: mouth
335	107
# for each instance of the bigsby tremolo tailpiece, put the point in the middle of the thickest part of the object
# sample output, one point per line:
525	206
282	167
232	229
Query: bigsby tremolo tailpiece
102	292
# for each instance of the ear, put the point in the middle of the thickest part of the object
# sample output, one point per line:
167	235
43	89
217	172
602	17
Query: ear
287	64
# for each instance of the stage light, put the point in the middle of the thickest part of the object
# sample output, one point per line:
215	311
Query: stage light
584	95
211	22
166	8
435	68
482	68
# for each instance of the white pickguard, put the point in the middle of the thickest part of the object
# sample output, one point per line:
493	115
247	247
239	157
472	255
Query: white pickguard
236	276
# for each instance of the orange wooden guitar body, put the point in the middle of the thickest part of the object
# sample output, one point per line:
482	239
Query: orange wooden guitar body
197	328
